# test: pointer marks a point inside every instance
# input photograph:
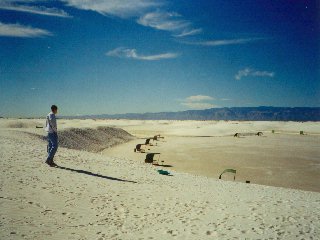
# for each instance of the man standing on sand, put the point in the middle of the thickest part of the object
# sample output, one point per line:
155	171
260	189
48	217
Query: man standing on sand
51	128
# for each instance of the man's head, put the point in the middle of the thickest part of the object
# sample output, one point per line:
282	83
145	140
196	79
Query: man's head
54	109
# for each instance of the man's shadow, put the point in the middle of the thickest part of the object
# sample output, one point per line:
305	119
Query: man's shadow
93	174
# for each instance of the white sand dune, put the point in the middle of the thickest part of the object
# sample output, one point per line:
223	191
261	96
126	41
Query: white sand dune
94	196
92	140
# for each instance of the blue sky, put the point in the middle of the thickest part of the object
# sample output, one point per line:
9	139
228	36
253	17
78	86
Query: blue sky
107	56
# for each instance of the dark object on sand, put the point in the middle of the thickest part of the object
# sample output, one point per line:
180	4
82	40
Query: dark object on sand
301	133
150	156
247	134
139	149
148	141
39	126
163	172
247	181
156	137
231	171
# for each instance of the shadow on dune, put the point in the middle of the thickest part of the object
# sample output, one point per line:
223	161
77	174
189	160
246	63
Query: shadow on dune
160	165
93	174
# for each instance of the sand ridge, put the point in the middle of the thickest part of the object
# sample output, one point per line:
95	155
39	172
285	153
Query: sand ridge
93	140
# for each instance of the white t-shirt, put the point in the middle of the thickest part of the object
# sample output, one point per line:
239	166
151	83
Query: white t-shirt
51	123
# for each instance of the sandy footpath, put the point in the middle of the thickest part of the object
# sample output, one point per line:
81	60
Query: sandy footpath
95	196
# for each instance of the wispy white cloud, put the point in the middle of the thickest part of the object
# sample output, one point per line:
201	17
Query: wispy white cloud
17	30
189	32
168	21
198	98
148	13
251	72
198	102
225	99
41	10
122	52
215	43
120	8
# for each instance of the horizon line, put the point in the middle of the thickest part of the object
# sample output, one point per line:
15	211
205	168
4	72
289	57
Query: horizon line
142	113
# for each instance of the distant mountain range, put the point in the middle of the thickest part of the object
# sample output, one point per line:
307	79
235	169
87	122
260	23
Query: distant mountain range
234	113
